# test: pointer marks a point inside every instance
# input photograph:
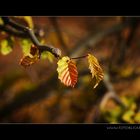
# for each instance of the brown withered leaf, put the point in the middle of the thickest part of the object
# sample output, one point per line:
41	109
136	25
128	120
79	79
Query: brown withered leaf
29	60
34	50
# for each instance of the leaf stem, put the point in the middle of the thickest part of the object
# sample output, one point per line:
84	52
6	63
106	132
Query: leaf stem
80	57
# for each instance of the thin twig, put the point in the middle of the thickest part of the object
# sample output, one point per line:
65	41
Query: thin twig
95	38
110	94
59	33
12	31
134	22
79	57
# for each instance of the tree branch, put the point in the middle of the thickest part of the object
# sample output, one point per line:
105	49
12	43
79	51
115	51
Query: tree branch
29	32
134	22
110	94
95	38
59	33
12	31
38	94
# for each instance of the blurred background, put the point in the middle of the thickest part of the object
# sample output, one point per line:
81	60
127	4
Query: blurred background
35	94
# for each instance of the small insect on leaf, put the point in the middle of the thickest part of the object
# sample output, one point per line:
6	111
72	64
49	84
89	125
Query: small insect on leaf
95	69
67	71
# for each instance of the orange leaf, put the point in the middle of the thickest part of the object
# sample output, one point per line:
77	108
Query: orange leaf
30	59
67	71
27	61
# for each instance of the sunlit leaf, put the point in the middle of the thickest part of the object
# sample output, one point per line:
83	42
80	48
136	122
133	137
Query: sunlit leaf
24	20
67	71
137	117
128	101
29	21
30	59
128	116
47	55
112	115
95	69
26	45
5	47
27	61
133	106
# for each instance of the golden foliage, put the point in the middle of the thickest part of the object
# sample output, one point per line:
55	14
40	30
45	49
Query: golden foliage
67	71
95	69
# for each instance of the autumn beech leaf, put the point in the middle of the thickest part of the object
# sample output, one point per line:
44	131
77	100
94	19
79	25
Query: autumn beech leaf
67	71
95	69
31	58
27	61
34	50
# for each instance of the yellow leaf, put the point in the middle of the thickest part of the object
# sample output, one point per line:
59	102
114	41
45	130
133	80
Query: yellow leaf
128	116
95	69
47	55
67	71
25	20
29	21
5	47
137	117
128	102
26	45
